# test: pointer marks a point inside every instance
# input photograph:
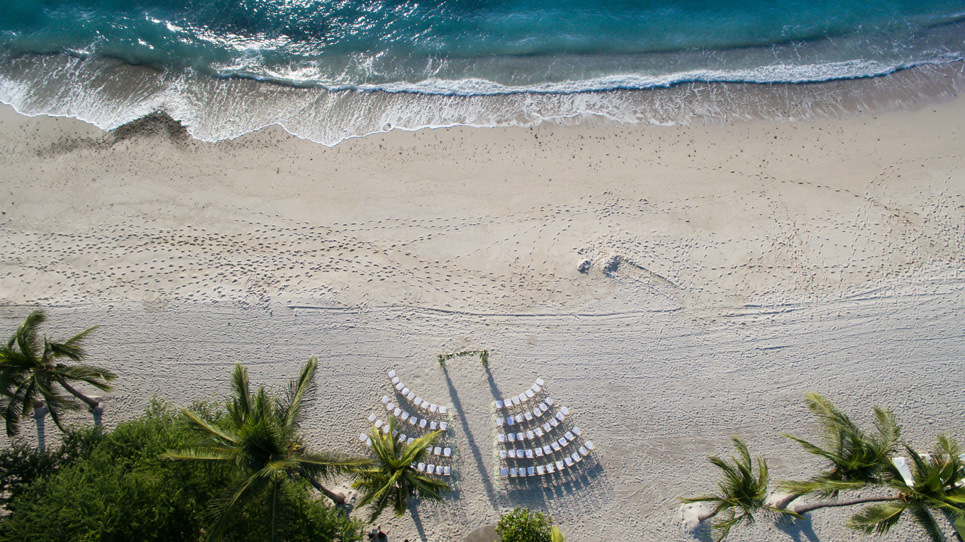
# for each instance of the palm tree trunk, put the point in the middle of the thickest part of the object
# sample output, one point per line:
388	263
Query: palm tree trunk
336	498
834	504
40	412
787	500
91	403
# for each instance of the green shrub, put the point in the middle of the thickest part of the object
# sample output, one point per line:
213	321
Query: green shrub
522	525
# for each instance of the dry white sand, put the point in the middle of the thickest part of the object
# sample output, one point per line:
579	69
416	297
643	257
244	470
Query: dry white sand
732	269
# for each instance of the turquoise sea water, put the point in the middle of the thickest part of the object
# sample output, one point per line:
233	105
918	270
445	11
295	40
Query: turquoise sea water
327	70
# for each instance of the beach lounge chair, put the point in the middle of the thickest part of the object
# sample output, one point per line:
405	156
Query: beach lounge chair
391	373
409	440
550	468
378	424
389	407
410	396
538	411
363	437
529	453
528	416
569	436
443	410
502	454
560	465
430	469
565	411
555	445
500	438
421	467
499	404
539	382
529	394
443	426
529	434
589	445
500	422
397	412
522	398
402	437
562	441
576	430
510	420
547	427
404	391
385	399
520	436
372	418
446	452
568	461
511	453
513	472
538	432
560	416
385	429
414	420
531	471
405	416
554	422
437	450
433	408
535	388
583	451
548	401
504	472
511	437
400	386
447	470
538	452
423	423
425	405
418	401
395	380
576	457
519	418
433	426
540	470
516	401
547	450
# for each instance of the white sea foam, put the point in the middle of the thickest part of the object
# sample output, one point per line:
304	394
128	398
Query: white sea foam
109	93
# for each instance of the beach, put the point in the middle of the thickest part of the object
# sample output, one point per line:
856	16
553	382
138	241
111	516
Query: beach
672	285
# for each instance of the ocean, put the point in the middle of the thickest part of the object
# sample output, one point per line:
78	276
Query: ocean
331	70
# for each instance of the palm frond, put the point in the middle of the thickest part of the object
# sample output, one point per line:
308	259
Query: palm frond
240	407
95	376
330	465
26	336
927	522
877	518
298	390
889	432
200	454
220	435
73	347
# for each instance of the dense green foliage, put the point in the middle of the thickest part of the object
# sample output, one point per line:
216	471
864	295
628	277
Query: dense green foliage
522	525
21	465
120	489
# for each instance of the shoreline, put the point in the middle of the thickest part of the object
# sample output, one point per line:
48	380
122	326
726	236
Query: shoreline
109	93
732	269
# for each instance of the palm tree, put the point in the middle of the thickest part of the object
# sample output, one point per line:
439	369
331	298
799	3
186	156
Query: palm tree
935	484
854	458
260	436
741	493
392	479
31	371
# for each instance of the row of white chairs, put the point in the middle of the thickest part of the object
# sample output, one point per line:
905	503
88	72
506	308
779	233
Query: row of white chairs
539	451
526	416
508	402
413	420
439	470
401	437
416	400
536	434
548	468
537	414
